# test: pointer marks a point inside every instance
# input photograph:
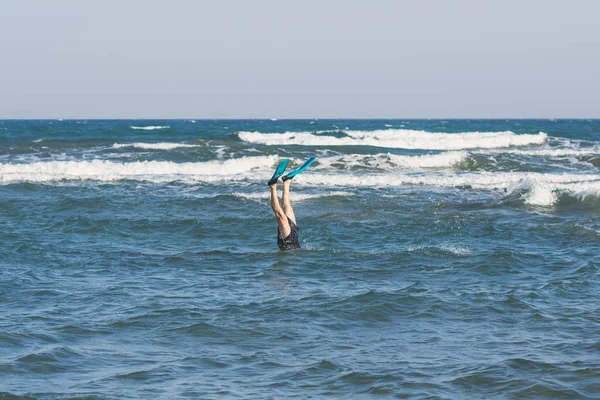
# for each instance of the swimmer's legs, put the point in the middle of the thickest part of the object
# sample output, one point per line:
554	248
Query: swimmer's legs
282	222
285	200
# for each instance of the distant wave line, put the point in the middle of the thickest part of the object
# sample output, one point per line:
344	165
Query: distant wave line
150	128
154	146
398	138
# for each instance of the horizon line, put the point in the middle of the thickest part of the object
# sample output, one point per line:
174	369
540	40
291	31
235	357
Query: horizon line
300	119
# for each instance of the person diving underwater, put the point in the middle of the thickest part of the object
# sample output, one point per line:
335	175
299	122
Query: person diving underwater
287	229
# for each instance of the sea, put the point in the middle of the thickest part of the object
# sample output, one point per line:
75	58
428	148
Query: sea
440	259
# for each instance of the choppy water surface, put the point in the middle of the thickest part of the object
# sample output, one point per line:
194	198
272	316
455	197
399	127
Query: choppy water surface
441	259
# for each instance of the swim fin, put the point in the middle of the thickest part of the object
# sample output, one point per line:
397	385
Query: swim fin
301	168
280	170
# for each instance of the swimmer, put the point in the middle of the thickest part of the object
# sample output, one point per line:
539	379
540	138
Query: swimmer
287	230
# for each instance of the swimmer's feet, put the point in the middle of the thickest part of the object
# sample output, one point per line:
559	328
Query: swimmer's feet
278	172
295	172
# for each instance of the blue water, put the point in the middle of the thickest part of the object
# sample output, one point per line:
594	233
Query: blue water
440	259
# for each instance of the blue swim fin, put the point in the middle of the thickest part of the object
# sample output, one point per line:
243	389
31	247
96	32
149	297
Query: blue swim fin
301	168
280	170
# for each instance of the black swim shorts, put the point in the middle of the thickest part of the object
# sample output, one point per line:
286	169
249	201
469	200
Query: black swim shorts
292	241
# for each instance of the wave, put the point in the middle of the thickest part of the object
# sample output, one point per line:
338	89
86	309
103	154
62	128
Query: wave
154	146
231	169
388	161
150	128
443	249
534	188
398	138
546	152
152	171
482	180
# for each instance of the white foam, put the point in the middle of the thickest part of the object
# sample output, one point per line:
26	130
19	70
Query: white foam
541	189
153	171
154	146
582	190
150	128
389	161
398	138
457	250
557	153
540	194
448	248
220	151
480	180
544	194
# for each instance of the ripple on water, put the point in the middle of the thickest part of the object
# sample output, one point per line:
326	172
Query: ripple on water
524	378
47	361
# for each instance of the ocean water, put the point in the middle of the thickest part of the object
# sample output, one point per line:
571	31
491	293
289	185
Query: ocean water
452	259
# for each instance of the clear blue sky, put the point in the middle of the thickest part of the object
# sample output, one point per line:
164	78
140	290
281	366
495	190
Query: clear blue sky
299	59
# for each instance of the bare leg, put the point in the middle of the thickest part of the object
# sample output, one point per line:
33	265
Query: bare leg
285	201
282	222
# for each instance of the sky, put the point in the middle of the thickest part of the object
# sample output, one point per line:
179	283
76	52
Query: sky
299	59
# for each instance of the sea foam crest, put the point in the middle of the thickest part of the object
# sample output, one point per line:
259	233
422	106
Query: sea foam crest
399	138
547	194
389	161
540	189
150	128
152	171
154	146
481	180
546	152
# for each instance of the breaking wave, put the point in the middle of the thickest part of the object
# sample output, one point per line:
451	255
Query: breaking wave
150	128
153	171
535	188
388	161
548	152
398	138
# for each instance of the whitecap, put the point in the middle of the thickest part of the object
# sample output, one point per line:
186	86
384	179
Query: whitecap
446	248
236	169
398	138
150	128
547	152
539	189
393	161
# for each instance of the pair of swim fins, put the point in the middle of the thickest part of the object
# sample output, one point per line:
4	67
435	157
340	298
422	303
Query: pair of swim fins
281	169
